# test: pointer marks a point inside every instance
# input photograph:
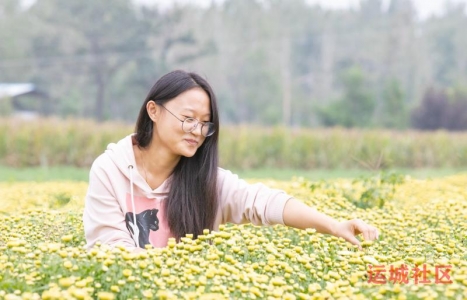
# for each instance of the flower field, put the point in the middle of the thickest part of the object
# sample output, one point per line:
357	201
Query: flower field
421	252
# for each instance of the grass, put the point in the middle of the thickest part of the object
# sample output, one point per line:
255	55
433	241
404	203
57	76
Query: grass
318	174
82	174
43	174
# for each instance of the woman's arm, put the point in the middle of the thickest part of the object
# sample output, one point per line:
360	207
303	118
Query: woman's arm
299	215
242	202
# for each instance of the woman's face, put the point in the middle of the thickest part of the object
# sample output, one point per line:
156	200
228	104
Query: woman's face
193	103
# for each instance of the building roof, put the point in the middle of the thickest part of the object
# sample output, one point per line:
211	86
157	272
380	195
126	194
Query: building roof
15	89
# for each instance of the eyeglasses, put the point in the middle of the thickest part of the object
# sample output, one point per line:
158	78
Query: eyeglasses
190	124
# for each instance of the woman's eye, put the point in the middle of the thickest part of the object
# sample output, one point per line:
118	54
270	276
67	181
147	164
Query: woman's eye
190	120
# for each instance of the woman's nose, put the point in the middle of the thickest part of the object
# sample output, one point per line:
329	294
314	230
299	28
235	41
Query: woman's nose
198	129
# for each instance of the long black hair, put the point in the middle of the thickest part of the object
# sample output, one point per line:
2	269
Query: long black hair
192	203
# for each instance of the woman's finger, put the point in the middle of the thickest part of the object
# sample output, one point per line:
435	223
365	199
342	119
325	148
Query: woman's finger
353	240
369	232
375	233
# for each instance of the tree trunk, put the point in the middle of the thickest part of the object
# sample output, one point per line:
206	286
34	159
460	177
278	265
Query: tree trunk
286	82
100	97
99	78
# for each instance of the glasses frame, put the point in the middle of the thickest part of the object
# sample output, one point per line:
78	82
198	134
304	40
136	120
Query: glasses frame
194	126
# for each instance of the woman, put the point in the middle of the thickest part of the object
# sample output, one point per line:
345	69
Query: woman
164	180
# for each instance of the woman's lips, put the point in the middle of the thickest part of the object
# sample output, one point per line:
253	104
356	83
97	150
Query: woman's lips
192	142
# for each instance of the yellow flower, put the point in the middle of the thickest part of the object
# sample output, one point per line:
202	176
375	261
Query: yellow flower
66	282
105	296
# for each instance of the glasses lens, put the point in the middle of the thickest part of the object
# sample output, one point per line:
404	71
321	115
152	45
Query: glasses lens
189	124
207	129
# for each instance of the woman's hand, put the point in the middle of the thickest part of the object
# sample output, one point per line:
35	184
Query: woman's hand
299	215
349	229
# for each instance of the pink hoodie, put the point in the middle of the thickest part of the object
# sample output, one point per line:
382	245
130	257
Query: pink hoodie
118	194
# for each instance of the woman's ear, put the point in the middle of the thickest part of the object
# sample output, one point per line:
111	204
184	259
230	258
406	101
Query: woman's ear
153	110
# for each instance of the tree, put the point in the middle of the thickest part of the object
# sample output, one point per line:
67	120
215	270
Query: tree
14	26
356	107
394	111
429	114
103	37
247	68
455	117
448	41
439	110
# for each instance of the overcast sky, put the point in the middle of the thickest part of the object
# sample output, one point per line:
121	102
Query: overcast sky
425	8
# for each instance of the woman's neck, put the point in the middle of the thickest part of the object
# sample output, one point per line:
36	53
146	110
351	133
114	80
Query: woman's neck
155	163
158	160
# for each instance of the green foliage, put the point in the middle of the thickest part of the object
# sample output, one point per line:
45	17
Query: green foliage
70	173
42	173
365	191
6	107
61	199
48	142
376	189
394	112
270	62
357	105
51	142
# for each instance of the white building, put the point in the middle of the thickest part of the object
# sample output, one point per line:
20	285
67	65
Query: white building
13	91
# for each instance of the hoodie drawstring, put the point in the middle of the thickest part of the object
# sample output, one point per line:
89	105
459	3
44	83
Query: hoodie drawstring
135	226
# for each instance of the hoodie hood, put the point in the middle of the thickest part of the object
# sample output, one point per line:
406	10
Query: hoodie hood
123	156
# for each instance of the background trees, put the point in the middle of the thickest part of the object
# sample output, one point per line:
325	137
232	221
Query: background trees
271	62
